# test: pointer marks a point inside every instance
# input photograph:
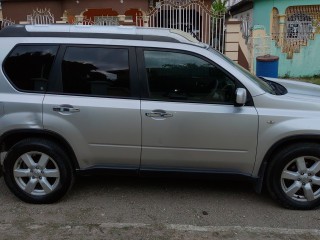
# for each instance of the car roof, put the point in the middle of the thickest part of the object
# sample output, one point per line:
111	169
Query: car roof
108	32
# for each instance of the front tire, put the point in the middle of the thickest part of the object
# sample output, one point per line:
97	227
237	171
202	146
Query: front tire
38	171
293	176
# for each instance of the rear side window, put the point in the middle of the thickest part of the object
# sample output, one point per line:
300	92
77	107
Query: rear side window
28	67
97	71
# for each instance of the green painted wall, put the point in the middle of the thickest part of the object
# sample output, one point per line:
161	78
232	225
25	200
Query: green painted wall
262	9
305	63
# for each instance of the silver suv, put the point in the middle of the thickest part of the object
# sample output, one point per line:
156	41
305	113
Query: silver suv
80	99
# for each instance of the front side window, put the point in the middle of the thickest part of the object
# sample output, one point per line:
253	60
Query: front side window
28	67
96	72
256	80
176	76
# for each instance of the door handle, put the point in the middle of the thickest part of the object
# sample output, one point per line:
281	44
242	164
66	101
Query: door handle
65	109
159	114
166	115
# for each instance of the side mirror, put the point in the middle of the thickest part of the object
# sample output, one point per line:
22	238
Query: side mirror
241	96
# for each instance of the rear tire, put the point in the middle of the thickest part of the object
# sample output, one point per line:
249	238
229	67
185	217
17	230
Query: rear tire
293	176
38	171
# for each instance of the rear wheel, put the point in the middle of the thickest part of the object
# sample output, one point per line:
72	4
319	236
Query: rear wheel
293	176
38	171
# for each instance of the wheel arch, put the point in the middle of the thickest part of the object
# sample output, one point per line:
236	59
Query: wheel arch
8	139
275	148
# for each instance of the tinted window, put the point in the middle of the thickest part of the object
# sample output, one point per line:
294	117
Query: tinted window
177	76
96	71
28	67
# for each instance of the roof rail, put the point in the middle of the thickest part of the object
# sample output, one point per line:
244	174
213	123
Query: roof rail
106	32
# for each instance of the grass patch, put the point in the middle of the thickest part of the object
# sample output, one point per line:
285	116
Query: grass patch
315	79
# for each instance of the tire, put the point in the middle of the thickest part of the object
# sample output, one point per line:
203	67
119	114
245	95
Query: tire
293	176
38	171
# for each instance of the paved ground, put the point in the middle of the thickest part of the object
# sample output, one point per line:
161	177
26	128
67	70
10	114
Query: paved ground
131	208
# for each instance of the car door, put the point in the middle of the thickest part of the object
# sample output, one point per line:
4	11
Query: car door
94	104
189	121
27	67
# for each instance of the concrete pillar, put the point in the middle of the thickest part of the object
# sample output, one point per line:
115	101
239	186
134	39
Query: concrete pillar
232	39
145	21
64	17
282	30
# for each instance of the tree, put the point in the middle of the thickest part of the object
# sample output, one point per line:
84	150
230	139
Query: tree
219	7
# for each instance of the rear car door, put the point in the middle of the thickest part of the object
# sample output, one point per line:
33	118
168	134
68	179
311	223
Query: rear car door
94	104
27	67
189	121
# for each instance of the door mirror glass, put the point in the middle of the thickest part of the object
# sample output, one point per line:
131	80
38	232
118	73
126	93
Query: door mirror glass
241	96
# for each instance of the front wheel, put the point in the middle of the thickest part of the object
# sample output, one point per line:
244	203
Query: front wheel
38	171
293	176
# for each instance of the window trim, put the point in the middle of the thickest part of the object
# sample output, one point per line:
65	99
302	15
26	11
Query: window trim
50	73
55	86
144	79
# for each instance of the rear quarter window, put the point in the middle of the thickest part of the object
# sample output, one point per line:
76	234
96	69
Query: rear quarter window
28	67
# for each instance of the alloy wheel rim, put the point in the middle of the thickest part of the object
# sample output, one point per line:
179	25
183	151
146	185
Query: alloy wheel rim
300	179
36	173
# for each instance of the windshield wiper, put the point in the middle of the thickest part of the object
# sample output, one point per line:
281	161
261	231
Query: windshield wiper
277	88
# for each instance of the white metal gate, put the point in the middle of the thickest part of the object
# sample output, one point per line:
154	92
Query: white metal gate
5	22
41	16
191	16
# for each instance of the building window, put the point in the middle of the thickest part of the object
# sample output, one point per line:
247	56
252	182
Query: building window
299	26
302	22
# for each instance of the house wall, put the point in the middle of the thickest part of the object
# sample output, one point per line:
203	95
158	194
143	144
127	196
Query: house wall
1	11
75	9
235	46
303	64
262	9
18	10
246	18
244	15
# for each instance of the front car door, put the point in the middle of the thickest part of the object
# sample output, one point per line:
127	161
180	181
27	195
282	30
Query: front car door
96	107
189	121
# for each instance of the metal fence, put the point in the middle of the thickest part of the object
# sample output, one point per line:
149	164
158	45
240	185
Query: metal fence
5	22
191	16
41	16
106	20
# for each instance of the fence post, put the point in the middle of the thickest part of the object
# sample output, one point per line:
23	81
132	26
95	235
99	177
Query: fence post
145	20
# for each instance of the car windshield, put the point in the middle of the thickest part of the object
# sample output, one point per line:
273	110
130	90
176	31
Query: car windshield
259	82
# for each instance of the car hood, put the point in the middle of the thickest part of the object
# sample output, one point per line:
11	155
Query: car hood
299	89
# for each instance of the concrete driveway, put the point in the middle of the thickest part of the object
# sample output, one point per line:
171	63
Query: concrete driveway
133	208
